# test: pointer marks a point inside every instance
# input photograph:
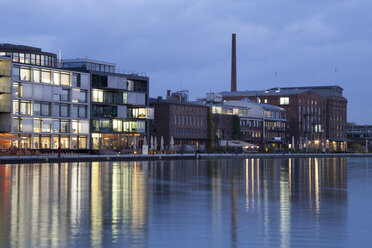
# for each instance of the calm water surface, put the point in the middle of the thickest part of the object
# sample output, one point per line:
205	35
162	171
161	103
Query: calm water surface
206	203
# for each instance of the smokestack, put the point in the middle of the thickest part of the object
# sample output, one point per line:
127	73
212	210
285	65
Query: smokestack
233	63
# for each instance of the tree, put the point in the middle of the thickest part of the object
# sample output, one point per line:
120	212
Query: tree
210	131
236	133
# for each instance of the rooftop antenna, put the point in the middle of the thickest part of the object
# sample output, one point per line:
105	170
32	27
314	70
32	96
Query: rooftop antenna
59	57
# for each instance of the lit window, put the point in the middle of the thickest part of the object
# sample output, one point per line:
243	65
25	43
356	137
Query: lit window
56	78
25	74
45	76
97	95
284	101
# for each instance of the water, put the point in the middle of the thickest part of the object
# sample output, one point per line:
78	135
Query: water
206	203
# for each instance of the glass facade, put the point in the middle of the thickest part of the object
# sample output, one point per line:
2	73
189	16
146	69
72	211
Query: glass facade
43	105
55	107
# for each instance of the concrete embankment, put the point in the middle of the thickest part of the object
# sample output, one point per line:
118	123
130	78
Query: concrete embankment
101	158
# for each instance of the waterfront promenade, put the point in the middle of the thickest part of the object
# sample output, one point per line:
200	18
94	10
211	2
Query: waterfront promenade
140	157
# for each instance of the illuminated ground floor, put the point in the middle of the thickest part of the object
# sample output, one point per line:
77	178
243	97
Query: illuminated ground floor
46	141
115	141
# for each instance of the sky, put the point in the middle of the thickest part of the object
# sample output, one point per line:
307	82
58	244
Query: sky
186	44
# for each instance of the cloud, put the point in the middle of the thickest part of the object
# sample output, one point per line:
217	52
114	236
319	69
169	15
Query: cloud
187	44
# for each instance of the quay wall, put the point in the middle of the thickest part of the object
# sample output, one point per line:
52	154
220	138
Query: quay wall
101	158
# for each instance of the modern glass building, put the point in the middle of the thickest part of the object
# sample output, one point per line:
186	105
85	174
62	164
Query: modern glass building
120	111
42	106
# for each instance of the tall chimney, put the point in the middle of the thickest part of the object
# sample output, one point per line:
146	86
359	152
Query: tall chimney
233	63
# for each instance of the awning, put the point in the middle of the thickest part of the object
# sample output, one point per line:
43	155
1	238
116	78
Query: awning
237	143
10	137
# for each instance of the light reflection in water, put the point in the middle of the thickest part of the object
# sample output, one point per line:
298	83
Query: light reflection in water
219	203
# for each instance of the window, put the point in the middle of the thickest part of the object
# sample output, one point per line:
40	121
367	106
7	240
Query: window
45	142
45	109
75	126
75	111
65	95
25	74
45	76
65	142
38	59
82	111
36	108
99	81
65	79
33	60
15	57
82	142
64	111
25	108
107	97
46	126
65	126
37	126
83	126
284	101
56	78
76	80
117	125
37	75
21	57
17	124
130	85
79	111
17	90
56	126
125	98
16	72
97	95
28	58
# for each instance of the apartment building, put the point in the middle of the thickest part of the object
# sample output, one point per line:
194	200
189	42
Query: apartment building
41	105
120	112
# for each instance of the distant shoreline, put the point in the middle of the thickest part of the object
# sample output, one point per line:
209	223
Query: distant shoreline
157	157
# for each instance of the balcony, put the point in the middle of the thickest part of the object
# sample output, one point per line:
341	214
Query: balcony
5	128
5	73
5	109
4	89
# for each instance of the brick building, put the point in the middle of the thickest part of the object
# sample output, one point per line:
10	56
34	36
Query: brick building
305	112
185	121
336	109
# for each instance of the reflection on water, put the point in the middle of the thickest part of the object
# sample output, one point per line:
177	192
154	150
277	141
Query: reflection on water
214	203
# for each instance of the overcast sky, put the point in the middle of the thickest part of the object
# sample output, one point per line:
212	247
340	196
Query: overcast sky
186	44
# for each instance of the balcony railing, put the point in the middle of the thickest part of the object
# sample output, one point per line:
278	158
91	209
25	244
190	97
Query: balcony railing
4	89
5	73
5	109
5	128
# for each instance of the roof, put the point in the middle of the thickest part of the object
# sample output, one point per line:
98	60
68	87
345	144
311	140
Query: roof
271	107
309	87
271	92
245	104
6	47
157	100
86	60
13	47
